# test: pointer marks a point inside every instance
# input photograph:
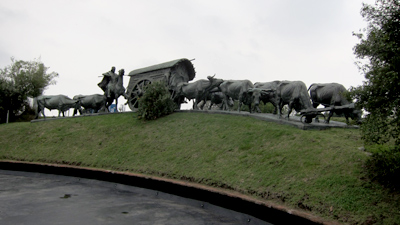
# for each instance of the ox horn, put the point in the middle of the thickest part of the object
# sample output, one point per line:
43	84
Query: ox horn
210	77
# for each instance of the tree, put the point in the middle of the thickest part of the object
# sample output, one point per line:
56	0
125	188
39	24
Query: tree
379	47
20	80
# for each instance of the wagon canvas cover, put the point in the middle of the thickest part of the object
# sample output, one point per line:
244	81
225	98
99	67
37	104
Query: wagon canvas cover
170	64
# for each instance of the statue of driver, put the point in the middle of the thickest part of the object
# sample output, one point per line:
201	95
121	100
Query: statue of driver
110	78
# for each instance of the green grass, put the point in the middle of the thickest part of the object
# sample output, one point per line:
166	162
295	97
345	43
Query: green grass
316	171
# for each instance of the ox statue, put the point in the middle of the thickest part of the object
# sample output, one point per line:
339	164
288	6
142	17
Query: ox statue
60	102
295	95
241	90
94	103
333	94
271	93
198	90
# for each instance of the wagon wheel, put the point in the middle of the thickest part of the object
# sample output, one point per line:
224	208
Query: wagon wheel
136	93
308	118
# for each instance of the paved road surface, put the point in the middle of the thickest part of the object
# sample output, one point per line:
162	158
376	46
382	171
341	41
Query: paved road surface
35	198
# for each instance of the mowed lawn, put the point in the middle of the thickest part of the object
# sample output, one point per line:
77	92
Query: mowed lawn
320	172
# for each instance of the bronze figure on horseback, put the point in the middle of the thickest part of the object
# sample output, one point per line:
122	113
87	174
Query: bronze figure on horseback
112	85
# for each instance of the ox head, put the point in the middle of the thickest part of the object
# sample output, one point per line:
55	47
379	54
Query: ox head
253	96
214	82
256	94
353	112
355	115
77	106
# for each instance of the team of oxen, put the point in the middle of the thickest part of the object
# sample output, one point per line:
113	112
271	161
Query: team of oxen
294	94
220	92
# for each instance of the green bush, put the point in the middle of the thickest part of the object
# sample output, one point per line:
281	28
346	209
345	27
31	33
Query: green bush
384	165
265	108
155	102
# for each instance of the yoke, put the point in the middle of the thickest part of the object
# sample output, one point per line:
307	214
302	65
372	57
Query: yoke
308	114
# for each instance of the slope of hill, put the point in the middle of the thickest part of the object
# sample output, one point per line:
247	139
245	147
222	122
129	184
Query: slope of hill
320	172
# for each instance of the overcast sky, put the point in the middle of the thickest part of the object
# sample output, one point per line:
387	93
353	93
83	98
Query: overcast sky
258	40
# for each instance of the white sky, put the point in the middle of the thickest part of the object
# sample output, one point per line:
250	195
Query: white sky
258	40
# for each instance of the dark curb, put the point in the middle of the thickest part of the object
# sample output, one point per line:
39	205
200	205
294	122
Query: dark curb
263	210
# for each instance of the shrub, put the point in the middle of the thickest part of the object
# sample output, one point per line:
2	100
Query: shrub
155	102
384	165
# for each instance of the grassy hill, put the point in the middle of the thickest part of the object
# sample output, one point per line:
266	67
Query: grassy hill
320	172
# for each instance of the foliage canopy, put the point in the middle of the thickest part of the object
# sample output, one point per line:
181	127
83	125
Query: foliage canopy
380	95
20	80
379	48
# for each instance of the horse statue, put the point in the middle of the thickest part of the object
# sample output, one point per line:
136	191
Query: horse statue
112	85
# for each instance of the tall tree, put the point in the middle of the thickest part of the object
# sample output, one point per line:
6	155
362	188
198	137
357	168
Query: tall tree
20	80
379	51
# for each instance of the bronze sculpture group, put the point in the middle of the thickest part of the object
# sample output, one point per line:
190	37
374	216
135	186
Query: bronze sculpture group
177	73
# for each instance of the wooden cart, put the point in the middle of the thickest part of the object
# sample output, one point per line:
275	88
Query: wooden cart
172	73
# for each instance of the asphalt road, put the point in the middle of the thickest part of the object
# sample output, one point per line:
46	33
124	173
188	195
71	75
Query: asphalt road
35	198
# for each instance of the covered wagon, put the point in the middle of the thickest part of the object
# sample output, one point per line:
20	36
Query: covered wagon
173	73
